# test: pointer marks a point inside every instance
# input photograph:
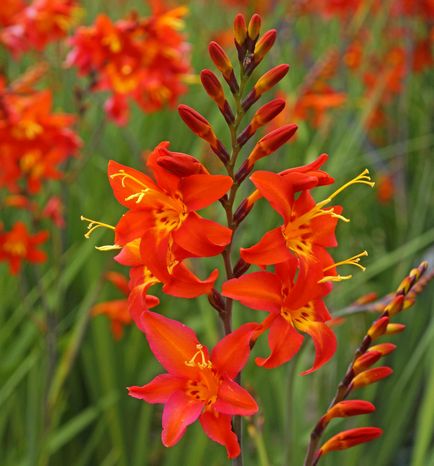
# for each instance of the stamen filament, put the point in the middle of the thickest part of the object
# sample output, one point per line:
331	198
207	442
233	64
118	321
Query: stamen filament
203	363
94	225
108	247
351	261
125	176
362	178
334	278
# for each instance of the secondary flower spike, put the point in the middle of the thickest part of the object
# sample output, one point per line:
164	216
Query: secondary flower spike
197	385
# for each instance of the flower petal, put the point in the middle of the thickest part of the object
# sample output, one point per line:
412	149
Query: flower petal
171	342
277	189
179	412
284	343
258	290
199	191
183	283
271	249
324	340
234	399
231	353
218	427
202	237
132	225
159	390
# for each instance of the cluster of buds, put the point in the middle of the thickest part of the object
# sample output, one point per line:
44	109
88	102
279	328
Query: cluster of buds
360	372
162	229
34	144
144	59
32	26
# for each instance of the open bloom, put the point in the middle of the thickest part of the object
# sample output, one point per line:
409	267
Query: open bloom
308	227
295	305
139	58
162	214
197	386
19	245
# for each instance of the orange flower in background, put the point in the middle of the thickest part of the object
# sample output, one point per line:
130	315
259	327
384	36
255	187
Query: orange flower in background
8	11
139	58
197	385
33	140
37	24
295	305
19	245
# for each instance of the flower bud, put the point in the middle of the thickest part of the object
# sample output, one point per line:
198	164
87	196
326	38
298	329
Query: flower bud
378	328
350	438
223	64
201	126
264	45
254	27
391	329
349	408
240	29
271	142
215	90
395	305
383	348
366	360
180	164
264	83
371	376
240	268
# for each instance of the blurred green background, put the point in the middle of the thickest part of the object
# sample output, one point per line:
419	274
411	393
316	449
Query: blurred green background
63	375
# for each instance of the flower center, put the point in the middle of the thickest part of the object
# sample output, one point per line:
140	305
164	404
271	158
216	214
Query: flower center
297	317
15	248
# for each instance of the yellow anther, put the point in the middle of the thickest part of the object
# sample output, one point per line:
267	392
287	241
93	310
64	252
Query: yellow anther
363	178
94	225
351	261
126	176
202	363
108	247
335	278
139	196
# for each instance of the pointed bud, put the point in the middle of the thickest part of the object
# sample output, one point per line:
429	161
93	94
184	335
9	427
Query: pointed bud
264	83
350	438
223	64
264	45
240	268
245	207
349	408
391	329
383	348
378	328
240	29
271	142
371	376
395	305
180	164
215	90
254	27
366	360
201	127
262	116
366	298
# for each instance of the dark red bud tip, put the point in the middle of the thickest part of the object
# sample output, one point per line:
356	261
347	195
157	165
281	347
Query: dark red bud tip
241	268
350	438
243	172
254	27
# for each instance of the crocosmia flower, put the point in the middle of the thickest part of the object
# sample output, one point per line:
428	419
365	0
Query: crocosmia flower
19	245
197	385
295	305
162	223
139	58
38	24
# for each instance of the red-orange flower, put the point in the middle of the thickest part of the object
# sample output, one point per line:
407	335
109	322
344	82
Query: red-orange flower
162	223
197	386
19	245
139	58
294	305
38	23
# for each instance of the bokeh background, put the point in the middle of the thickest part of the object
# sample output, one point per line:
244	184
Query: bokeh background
360	89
